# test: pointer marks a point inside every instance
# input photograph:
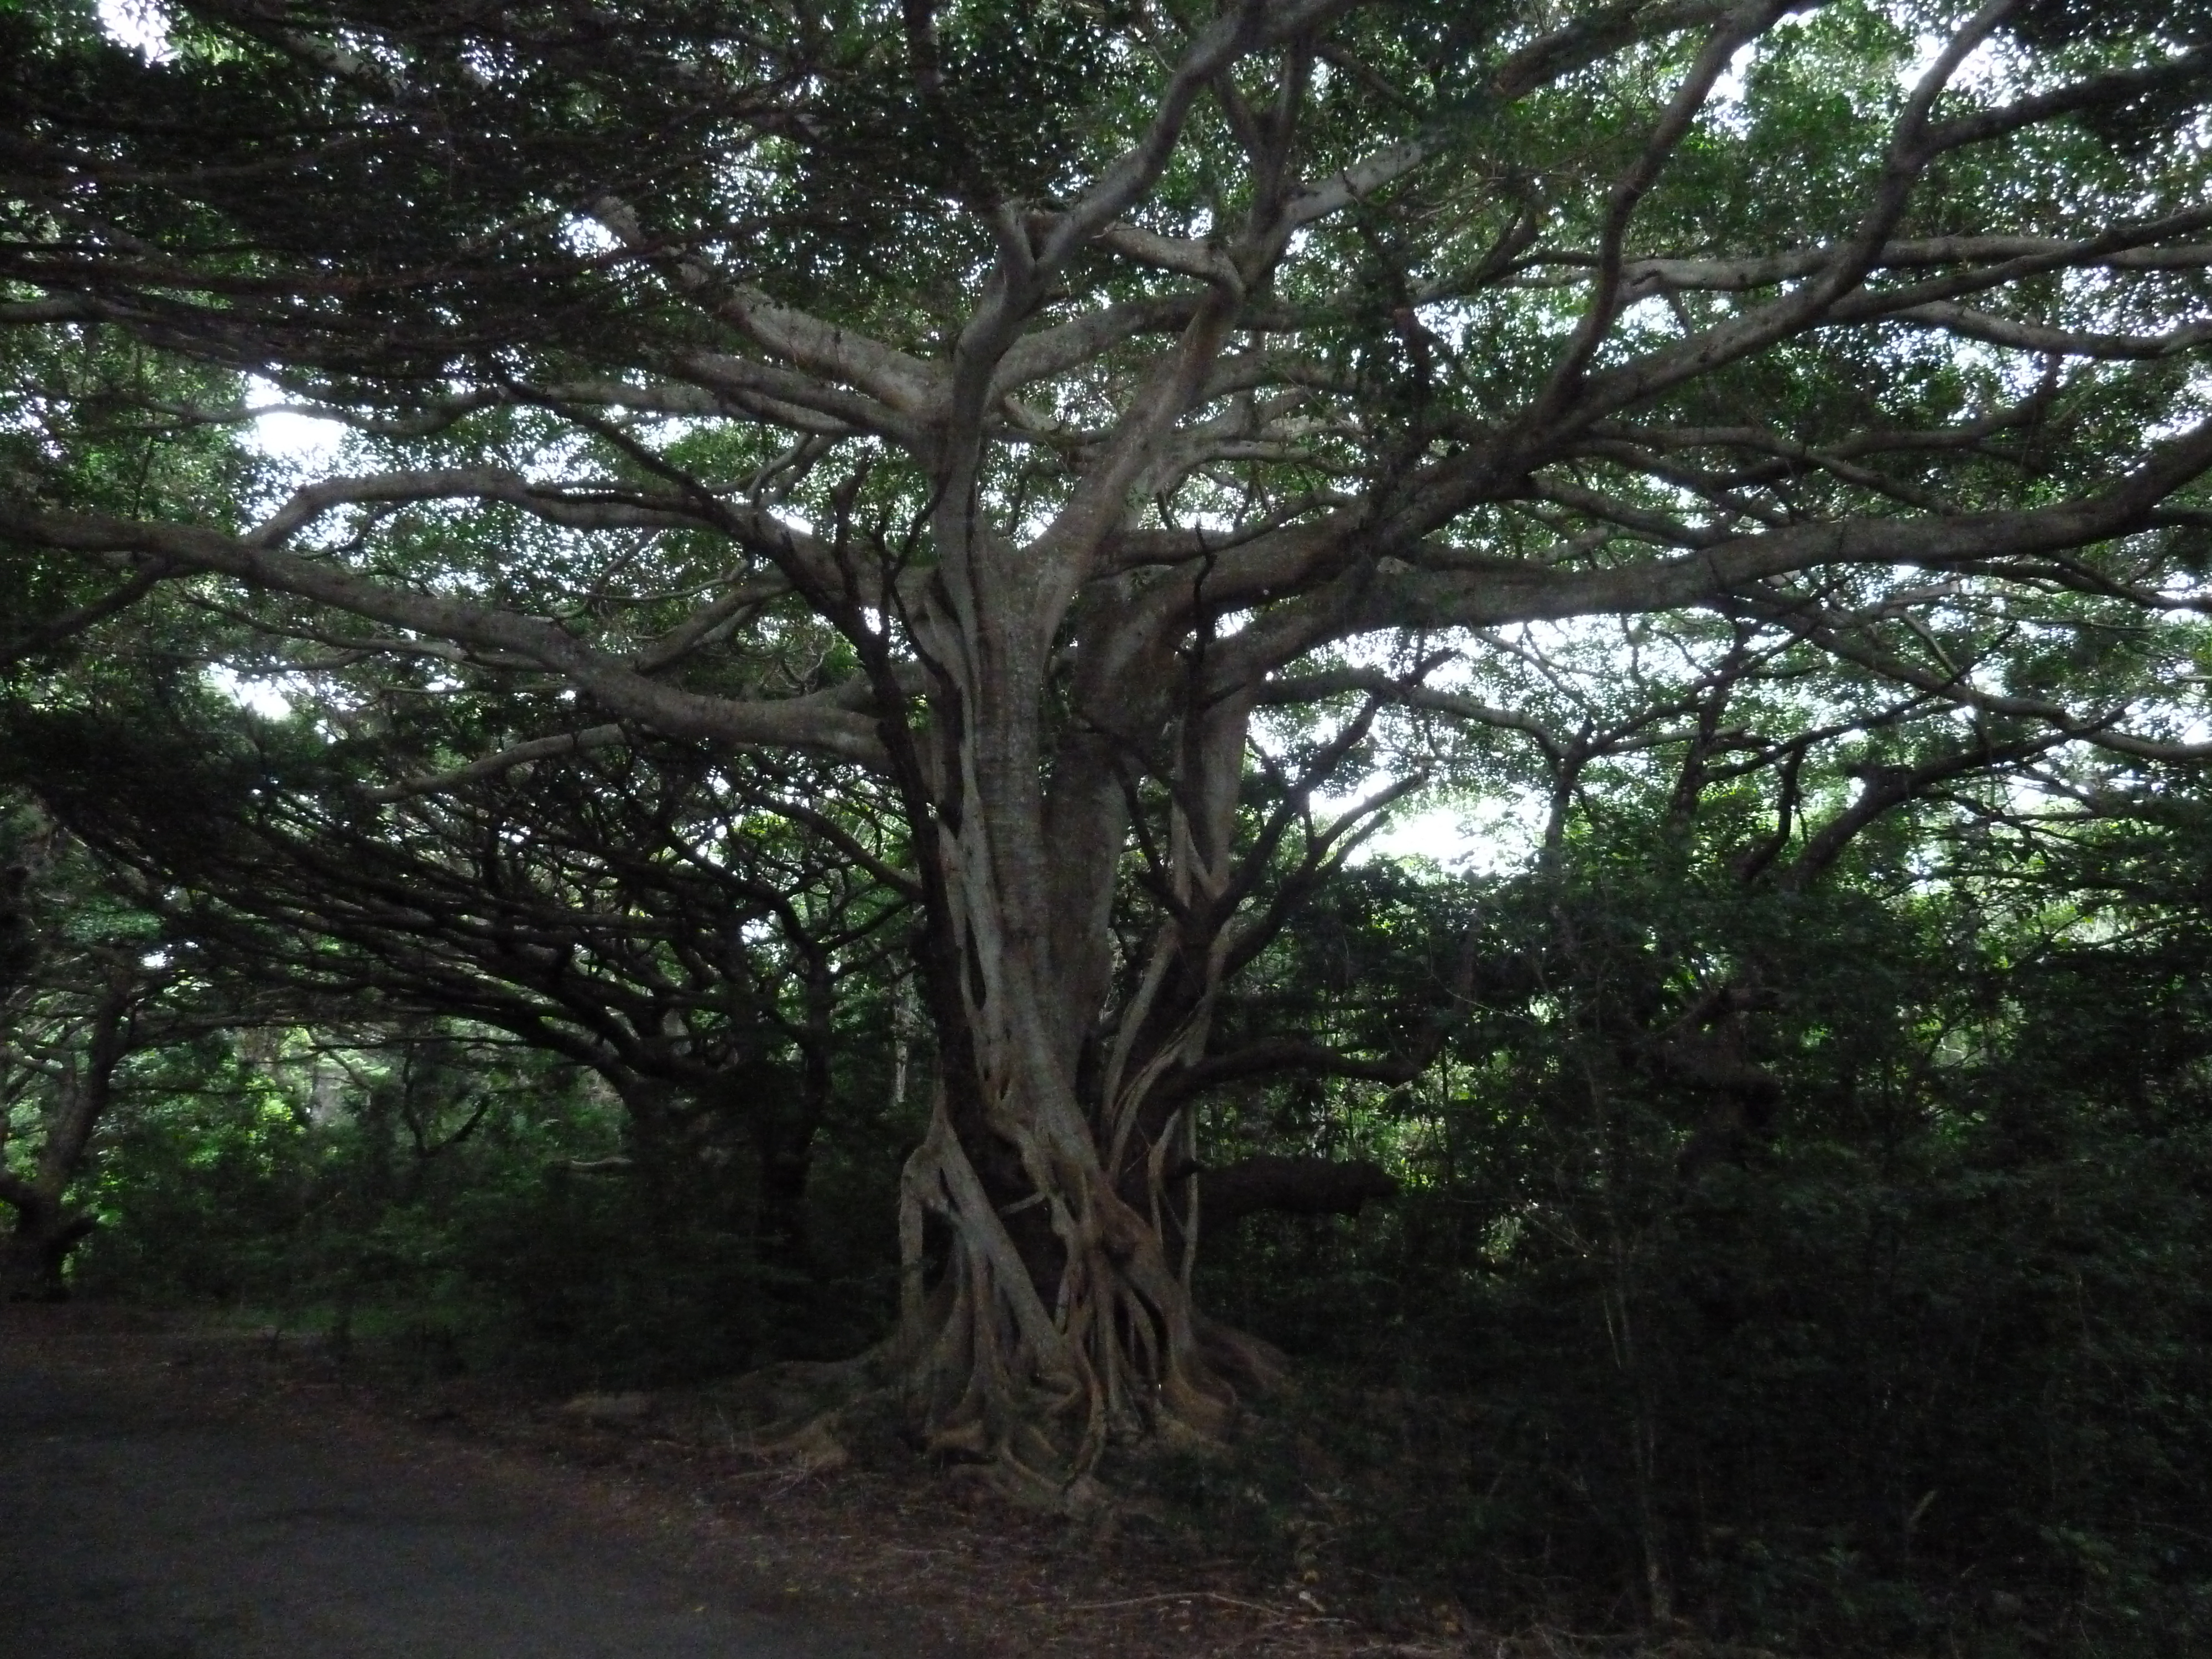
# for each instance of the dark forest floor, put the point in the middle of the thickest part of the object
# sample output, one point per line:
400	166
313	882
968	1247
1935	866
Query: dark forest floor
227	1488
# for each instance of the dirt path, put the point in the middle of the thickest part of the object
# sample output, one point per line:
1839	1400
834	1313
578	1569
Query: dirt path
175	1487
140	1522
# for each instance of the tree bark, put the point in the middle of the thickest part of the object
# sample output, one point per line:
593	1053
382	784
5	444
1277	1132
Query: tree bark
1060	1319
677	1131
33	1260
18	949
33	1257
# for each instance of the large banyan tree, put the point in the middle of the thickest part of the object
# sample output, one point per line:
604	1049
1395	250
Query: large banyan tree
1093	417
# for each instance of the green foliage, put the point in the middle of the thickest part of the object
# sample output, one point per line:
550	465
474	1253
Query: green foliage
1925	1364
466	1207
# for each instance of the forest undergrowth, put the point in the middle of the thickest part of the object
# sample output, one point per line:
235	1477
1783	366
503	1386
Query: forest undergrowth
1917	1365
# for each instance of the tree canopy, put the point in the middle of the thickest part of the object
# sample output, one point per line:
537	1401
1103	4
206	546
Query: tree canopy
1087	440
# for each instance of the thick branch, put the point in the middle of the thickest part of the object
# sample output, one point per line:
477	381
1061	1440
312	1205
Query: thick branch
813	723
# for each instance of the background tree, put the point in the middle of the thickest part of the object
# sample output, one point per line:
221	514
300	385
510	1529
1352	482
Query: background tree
90	995
642	912
1618	1343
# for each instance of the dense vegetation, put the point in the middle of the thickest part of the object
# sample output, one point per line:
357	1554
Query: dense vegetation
1933	1341
808	775
1924	1355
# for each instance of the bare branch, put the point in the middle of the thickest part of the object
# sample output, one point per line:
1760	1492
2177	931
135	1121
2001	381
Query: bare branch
803	723
491	766
2054	342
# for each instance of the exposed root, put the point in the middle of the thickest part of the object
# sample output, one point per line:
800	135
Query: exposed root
813	1449
990	1374
1259	1366
804	1417
777	1400
982	1374
610	1411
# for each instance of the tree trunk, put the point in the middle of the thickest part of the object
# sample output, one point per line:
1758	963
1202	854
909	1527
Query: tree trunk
786	1151
678	1133
1059	1318
35	1253
785	1122
36	1250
